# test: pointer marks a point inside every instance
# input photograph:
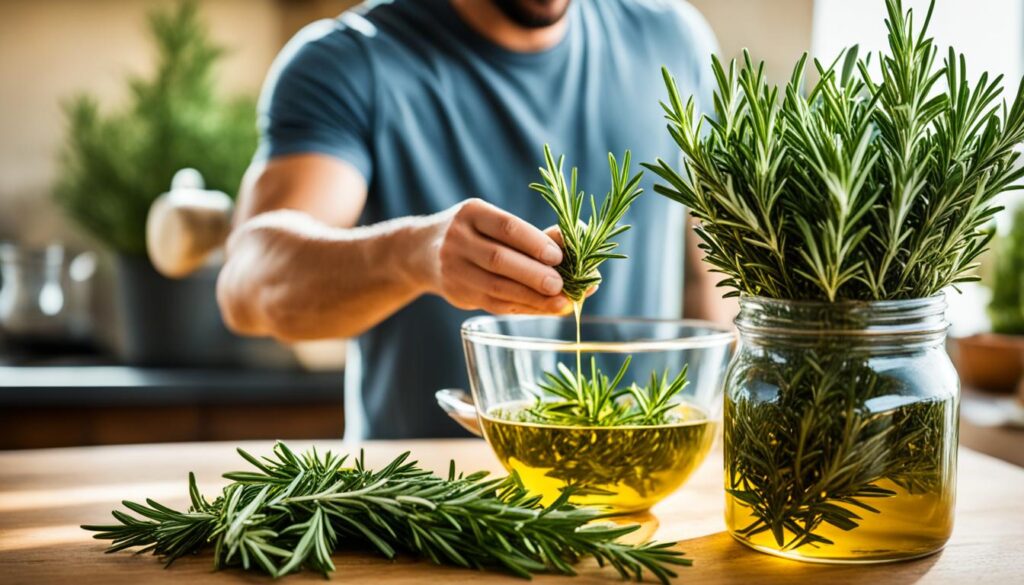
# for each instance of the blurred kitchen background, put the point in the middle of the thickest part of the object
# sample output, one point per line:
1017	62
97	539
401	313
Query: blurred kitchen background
96	119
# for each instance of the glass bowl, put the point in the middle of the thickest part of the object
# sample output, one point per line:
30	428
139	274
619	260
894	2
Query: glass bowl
627	468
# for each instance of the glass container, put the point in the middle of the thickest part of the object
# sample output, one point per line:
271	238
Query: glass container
628	468
840	430
44	297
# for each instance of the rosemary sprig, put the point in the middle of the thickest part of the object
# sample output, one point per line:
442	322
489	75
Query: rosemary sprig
294	510
586	245
600	401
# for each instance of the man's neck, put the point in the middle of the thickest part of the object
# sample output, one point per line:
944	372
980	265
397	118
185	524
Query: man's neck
485	18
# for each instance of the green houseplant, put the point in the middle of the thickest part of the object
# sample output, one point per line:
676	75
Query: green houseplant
994	361
1007	307
116	163
837	215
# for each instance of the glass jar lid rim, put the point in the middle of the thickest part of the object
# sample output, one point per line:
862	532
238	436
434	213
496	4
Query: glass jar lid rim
847	303
857	318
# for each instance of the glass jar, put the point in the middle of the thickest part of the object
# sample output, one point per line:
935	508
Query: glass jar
840	430
44	297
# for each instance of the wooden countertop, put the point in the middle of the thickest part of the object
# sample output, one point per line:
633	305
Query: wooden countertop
46	494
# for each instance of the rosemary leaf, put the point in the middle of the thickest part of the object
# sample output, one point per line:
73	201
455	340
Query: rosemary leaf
568	398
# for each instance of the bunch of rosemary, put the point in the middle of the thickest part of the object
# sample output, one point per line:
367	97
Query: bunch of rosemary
865	188
294	510
814	455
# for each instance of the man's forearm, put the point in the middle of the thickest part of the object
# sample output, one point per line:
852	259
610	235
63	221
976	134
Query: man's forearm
292	277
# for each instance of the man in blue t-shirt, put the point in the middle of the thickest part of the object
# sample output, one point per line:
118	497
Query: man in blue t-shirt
422	122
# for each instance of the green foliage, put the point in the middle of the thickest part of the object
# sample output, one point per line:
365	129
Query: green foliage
863	189
600	401
1007	307
586	245
295	510
114	165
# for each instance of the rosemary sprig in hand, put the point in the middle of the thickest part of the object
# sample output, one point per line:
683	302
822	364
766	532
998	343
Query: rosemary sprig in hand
586	245
598	401
294	510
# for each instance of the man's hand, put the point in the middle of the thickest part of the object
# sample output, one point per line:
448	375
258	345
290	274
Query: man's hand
482	257
297	268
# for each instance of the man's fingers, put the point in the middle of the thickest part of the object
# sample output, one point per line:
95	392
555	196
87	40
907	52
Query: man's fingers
504	261
505	289
516	233
555	234
501	307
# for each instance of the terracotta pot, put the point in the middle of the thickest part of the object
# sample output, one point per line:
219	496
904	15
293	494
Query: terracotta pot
990	361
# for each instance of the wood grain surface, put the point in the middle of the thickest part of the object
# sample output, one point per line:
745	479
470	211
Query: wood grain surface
46	494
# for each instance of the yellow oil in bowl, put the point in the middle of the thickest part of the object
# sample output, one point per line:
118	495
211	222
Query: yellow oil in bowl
626	468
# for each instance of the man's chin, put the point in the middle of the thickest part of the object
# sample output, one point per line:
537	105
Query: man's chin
533	13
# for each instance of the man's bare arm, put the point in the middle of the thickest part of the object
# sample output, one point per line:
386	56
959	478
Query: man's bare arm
297	269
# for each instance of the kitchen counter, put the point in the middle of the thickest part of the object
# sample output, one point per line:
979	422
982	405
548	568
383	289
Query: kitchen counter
46	494
67	404
106	385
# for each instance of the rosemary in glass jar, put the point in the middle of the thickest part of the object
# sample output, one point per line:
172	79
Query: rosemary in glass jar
865	191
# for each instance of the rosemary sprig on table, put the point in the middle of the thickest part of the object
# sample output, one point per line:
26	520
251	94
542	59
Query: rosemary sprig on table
865	188
586	245
600	401
294	510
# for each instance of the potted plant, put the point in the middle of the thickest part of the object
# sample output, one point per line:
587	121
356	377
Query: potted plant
995	361
838	217
116	163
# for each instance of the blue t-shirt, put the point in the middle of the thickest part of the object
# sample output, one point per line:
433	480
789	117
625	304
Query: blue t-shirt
432	113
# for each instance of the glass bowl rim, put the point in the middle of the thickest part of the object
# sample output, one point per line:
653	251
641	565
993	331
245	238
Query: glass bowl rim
719	335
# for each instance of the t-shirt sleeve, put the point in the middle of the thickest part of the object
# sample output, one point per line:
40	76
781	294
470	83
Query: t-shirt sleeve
318	98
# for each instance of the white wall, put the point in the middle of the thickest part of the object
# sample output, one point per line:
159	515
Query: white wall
987	32
777	32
